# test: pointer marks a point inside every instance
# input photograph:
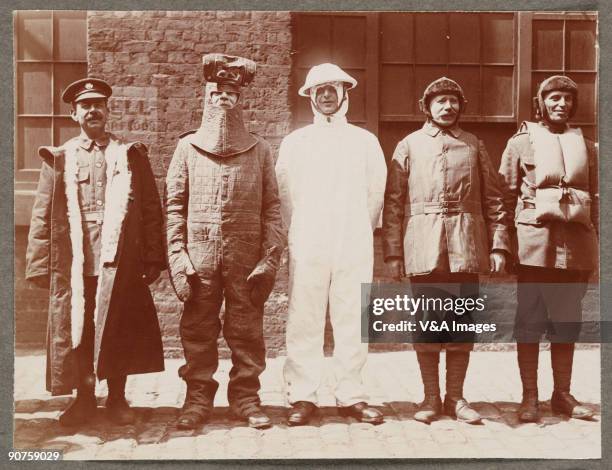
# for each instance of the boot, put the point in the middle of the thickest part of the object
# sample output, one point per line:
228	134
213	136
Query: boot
117	407
527	354
253	415
431	407
83	408
562	402
455	405
362	412
301	413
196	407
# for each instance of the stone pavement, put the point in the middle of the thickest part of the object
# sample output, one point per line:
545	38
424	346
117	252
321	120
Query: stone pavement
492	385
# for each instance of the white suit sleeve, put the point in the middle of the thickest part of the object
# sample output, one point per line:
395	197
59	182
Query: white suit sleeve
282	177
377	179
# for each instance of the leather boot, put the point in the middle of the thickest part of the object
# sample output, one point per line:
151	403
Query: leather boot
562	402
83	407
301	412
254	416
455	405
431	406
117	408
527	354
362	412
196	407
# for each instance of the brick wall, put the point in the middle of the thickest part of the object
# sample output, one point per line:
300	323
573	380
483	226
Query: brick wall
153	60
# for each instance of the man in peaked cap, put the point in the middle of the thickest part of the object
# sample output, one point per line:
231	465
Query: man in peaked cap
331	176
551	192
443	223
224	243
96	241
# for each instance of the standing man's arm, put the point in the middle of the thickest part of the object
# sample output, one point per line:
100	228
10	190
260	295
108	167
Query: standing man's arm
393	212
152	219
493	210
282	177
593	153
271	220
377	178
510	181
177	200
39	238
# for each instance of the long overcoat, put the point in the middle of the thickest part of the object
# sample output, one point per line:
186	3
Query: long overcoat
127	334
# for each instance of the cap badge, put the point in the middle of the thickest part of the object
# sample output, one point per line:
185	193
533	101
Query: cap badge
89	86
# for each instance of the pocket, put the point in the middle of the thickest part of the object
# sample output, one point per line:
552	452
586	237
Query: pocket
83	174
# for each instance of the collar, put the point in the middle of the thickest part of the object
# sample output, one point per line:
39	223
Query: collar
85	142
433	130
552	128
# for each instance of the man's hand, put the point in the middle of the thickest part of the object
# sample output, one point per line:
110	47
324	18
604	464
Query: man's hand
180	270
151	273
497	262
42	282
395	268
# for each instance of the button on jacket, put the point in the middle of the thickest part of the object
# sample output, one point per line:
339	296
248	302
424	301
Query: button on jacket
92	186
443	203
561	245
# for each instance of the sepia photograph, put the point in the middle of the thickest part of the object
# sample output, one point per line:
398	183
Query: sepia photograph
248	234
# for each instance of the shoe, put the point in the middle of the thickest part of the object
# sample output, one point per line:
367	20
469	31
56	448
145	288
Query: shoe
429	409
80	411
564	403
301	412
190	418
118	411
528	411
362	412
461	410
258	419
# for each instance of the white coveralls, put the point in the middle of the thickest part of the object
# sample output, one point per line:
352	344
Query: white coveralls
331	177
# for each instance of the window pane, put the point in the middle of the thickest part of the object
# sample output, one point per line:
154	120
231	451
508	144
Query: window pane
34	85
357	103
31	134
580	45
547	45
65	74
431	38
397	90
586	96
71	35
64	129
314	40
498	38
498	91
349	41
34	29
425	74
464	38
396	41
468	77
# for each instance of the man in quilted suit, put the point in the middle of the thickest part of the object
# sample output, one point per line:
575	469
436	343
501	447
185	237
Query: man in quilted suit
224	243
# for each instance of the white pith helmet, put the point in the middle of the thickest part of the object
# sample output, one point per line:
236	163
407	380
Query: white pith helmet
325	73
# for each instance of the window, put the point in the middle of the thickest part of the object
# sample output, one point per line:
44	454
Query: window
50	52
474	49
565	44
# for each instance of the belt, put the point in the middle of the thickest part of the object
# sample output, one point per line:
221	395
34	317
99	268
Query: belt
528	205
444	207
94	216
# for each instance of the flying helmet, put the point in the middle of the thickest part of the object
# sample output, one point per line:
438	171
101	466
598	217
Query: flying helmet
559	83
440	86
